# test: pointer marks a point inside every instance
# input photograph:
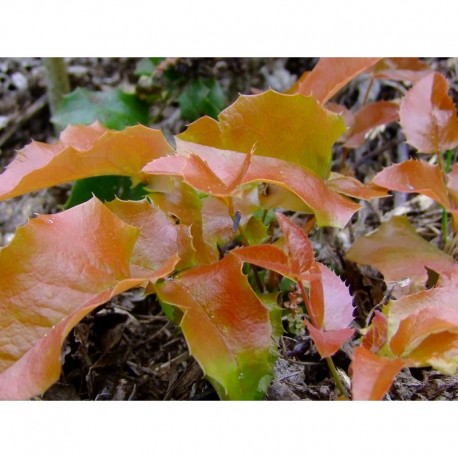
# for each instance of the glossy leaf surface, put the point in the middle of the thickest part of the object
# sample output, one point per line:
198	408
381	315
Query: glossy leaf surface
428	115
367	118
332	74
331	299
351	187
398	252
83	151
226	326
423	328
298	246
215	170
113	108
328	342
372	375
50	280
401	69
292	128
160	238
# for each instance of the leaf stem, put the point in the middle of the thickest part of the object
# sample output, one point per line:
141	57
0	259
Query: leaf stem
332	367
445	167
336	376
245	242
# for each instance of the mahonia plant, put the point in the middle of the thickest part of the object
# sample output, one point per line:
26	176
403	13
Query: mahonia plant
265	152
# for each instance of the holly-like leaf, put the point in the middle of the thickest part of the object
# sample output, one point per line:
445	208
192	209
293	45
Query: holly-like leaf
226	326
221	166
398	252
288	127
332	74
83	151
428	115
328	342
372	375
298	246
113	108
160	237
56	270
401	69
330	299
369	117
201	97
414	319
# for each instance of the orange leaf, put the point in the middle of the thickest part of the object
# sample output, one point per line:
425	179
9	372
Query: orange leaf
184	204
376	336
226	326
401	69
330	299
367	118
372	375
428	115
160	238
332	74
397	251
292	128
413	318
351	187
415	176
83	151
328	342
50	280
330	209
300	251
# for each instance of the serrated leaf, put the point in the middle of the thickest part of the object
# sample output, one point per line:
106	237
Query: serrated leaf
50	279
330	208
369	117
288	127
105	189
298	247
226	326
83	151
332	74
201	97
113	108
330	299
398	252
372	375
428	115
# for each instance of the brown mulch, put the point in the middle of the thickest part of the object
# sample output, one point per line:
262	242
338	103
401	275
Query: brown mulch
128	349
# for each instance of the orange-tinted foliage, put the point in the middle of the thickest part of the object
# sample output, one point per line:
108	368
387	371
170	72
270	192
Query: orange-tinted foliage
428	115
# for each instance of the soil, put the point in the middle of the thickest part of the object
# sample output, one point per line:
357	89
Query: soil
128	349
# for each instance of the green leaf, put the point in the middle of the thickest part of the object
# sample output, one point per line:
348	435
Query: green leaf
201	97
147	65
113	108
106	189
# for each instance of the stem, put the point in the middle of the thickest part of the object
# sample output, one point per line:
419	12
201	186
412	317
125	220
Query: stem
368	90
56	80
445	167
332	367
307	304
336	376
245	242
